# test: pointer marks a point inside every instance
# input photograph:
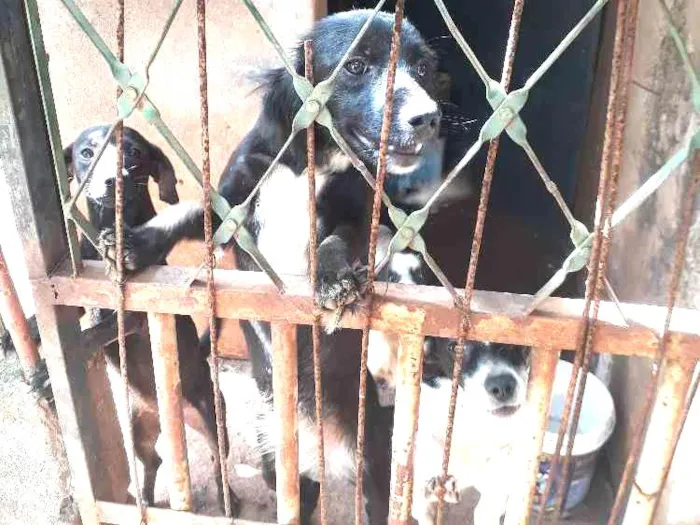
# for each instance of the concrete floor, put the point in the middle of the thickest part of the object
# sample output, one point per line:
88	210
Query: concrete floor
32	471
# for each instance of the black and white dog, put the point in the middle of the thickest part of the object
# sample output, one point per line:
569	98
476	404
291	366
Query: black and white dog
279	221
142	160
487	421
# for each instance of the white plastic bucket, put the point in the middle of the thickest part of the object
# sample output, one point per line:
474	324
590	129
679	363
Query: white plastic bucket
595	427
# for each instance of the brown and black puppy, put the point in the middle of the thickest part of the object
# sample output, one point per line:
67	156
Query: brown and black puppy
142	160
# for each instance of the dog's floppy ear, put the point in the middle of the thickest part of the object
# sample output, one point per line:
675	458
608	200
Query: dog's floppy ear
68	159
281	102
164	174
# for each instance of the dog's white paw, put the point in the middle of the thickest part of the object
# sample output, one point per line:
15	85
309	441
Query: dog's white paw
339	291
108	247
449	489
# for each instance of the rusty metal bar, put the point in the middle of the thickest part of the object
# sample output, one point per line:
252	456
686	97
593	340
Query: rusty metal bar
687	212
465	323
286	394
313	278
120	277
166	370
80	386
120	514
692	391
495	315
394	54
539	391
616	113
209	257
16	323
657	452
409	370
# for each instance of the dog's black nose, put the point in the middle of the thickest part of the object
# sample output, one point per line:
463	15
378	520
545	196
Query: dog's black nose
501	387
109	183
425	126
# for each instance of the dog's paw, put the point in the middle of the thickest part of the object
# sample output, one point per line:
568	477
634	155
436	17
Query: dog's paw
450	491
338	290
132	248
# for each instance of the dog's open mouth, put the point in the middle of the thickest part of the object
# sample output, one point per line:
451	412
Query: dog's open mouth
401	156
505	411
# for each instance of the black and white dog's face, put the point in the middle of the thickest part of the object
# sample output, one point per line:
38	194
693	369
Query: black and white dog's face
358	99
141	160
494	376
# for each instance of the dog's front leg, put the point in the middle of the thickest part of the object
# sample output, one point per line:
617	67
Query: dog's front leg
151	242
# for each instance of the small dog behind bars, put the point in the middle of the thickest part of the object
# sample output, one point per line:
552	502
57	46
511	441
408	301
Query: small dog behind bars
142	160
487	421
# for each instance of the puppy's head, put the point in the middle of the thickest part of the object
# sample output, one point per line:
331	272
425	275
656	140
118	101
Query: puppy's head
494	375
141	160
358	99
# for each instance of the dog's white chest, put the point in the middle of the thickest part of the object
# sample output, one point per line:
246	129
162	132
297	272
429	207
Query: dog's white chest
282	217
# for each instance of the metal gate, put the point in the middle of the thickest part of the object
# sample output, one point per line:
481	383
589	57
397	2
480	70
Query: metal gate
47	217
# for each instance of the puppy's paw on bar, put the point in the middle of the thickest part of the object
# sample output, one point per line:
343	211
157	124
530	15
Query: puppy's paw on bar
449	490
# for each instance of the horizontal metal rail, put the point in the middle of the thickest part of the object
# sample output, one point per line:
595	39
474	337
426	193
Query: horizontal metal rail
250	295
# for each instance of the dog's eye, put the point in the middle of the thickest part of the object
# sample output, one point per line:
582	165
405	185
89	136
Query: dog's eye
356	66
422	69
86	153
134	152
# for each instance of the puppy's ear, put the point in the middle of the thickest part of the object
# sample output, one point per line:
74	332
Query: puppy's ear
68	159
280	102
164	174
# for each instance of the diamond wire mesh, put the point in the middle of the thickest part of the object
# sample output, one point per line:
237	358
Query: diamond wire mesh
505	117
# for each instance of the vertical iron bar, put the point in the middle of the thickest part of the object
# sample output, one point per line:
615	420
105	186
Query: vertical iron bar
209	257
676	439
285	394
409	368
374	230
539	391
121	298
623	52
16	323
313	278
79	381
687	211
506	75
166	370
659	444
